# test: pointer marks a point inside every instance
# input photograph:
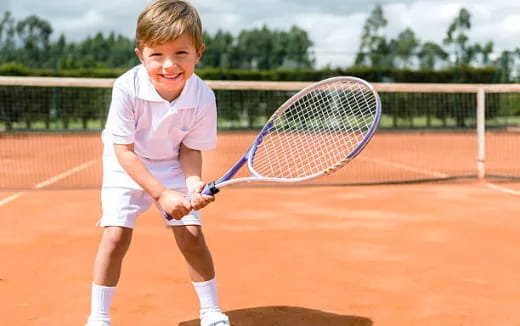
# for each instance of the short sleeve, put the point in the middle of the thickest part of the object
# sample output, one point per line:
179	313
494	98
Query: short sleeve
121	117
203	134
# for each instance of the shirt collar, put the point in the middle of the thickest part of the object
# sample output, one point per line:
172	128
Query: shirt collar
146	91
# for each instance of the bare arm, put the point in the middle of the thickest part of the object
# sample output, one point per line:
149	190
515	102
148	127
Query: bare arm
137	170
191	165
171	201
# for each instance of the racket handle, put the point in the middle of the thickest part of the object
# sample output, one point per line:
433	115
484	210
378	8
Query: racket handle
210	189
166	215
163	212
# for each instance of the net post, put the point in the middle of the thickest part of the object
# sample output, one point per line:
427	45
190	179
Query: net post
481	133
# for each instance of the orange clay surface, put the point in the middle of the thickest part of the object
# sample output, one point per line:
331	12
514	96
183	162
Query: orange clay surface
426	254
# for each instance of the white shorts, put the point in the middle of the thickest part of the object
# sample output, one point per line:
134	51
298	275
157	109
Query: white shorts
122	206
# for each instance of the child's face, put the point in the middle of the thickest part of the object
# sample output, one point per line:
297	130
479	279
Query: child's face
170	64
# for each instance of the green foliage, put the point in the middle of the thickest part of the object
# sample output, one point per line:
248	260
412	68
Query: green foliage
28	42
372	74
457	37
405	47
374	49
258	49
15	69
429	53
407	51
465	74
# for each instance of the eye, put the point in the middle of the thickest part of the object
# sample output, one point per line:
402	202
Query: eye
181	52
155	54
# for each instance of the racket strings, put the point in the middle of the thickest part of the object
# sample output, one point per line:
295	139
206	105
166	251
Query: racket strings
316	131
289	157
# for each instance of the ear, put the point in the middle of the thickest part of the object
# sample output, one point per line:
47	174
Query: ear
199	53
139	54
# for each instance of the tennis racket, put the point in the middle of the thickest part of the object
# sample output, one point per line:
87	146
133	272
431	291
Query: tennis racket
314	133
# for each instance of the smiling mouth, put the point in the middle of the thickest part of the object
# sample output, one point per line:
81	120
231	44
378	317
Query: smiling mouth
172	77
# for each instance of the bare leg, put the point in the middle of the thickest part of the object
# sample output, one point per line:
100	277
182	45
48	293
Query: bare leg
111	251
192	245
107	268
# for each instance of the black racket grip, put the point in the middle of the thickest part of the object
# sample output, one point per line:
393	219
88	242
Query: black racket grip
210	189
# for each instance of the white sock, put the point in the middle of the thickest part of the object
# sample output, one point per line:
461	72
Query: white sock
100	302
208	298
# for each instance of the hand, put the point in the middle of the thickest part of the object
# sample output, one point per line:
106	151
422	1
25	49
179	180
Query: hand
198	200
174	203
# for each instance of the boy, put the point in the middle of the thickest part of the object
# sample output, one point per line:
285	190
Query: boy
161	116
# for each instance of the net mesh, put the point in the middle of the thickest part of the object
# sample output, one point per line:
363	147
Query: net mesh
317	131
50	131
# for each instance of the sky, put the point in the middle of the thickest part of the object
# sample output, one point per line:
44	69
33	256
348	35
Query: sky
334	26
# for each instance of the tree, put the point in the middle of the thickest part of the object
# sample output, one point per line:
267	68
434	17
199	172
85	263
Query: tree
517	72
429	53
113	51
405	47
506	62
374	47
34	33
294	47
485	52
267	49
255	47
7	37
456	36
220	50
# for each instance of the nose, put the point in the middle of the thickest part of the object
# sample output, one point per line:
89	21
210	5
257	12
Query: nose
169	63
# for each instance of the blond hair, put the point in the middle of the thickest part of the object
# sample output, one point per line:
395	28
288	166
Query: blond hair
165	20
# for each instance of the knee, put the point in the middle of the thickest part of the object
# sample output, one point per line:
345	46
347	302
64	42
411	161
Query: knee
116	241
190	241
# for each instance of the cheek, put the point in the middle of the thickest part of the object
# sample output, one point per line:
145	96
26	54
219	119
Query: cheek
188	63
152	66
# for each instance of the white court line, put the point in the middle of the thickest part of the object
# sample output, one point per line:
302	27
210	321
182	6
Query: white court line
11	198
63	175
408	168
50	181
503	189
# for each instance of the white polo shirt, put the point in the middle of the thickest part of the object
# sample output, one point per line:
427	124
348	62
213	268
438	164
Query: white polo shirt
156	127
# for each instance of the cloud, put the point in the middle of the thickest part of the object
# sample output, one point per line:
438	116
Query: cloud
76	27
81	18
5	5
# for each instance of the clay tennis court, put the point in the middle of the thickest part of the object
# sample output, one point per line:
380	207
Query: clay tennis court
441	253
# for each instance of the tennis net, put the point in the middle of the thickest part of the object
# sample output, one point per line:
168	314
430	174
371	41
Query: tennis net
50	131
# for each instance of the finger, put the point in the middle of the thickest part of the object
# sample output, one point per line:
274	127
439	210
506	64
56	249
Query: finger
186	205
175	215
195	195
200	203
196	204
194	199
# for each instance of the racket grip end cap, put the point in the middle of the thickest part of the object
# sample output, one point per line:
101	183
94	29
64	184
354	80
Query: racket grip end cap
210	189
167	216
